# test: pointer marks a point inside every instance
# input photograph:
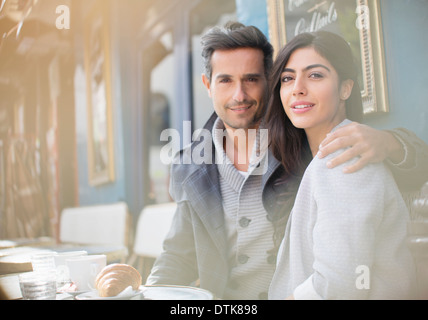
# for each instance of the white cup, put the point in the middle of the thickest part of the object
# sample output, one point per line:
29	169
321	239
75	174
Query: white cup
62	270
84	270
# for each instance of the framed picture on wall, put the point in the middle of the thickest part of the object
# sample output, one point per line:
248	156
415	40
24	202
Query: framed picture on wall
357	21
99	108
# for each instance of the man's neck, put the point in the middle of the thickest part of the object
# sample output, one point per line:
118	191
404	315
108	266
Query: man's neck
238	145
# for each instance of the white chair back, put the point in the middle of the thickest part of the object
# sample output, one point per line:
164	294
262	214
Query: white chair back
102	224
153	225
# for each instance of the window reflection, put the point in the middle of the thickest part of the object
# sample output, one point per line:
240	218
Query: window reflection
161	115
207	15
164	109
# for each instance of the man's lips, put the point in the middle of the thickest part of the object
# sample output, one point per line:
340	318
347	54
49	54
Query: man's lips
241	107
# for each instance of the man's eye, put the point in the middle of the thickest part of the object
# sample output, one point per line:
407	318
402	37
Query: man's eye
224	80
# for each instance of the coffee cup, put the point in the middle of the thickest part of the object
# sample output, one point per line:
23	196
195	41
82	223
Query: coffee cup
62	270
84	269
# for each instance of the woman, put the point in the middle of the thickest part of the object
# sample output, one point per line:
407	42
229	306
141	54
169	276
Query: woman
345	238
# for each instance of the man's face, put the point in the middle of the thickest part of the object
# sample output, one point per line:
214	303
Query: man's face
238	86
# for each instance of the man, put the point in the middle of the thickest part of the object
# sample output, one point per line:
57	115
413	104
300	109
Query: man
224	234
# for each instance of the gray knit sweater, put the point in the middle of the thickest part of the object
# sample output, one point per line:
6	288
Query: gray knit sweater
345	238
250	233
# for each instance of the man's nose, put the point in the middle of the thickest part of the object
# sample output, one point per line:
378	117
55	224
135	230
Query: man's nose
239	94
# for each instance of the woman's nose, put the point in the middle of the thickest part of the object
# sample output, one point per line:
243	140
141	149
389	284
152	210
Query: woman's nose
299	87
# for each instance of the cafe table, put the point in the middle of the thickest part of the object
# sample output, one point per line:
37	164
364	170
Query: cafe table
15	258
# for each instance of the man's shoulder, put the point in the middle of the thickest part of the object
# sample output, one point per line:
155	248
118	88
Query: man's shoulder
185	172
182	166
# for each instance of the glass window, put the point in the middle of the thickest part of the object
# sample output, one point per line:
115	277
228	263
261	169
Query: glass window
162	112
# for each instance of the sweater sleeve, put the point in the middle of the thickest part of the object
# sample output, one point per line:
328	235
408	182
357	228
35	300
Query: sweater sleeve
306	291
177	263
411	173
349	210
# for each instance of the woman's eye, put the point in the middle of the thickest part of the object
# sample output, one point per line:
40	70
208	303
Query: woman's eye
286	78
316	75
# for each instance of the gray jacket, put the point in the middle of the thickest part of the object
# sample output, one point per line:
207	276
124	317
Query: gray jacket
196	247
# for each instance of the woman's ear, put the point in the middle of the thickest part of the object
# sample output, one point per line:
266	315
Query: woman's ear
346	89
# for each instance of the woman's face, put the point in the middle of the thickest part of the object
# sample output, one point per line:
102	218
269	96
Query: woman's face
311	94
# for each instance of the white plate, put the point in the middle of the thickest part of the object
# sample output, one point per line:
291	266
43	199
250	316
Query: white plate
72	293
64	296
175	293
93	295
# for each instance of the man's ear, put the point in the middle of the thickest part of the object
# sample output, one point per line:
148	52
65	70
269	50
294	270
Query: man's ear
206	83
346	89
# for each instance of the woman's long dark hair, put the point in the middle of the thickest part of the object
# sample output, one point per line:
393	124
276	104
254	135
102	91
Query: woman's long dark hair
288	143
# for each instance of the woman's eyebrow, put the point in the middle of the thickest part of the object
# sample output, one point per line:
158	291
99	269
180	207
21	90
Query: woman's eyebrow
312	66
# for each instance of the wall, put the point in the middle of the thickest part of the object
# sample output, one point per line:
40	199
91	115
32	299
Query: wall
253	12
111	192
405	25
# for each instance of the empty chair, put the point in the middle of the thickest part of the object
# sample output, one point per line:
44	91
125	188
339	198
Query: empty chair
154	223
96	226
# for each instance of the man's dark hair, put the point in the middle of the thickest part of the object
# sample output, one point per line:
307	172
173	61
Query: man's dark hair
235	35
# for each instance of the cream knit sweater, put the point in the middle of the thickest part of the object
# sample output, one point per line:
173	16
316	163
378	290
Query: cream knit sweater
345	238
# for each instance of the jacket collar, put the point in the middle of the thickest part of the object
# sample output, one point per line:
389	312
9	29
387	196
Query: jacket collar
203	192
202	188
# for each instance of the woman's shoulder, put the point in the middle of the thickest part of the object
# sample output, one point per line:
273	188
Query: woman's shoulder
320	167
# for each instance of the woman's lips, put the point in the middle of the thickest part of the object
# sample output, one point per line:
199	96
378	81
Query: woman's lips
302	107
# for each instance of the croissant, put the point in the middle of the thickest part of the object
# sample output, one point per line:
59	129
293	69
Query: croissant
114	278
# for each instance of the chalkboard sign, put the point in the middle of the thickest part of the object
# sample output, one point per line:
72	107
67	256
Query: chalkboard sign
358	21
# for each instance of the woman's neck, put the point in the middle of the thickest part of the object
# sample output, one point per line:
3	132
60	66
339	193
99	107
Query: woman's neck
317	134
315	137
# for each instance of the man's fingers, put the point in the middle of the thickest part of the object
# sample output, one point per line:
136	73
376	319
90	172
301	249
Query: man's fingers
359	141
334	145
343	157
348	155
342	132
356	166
